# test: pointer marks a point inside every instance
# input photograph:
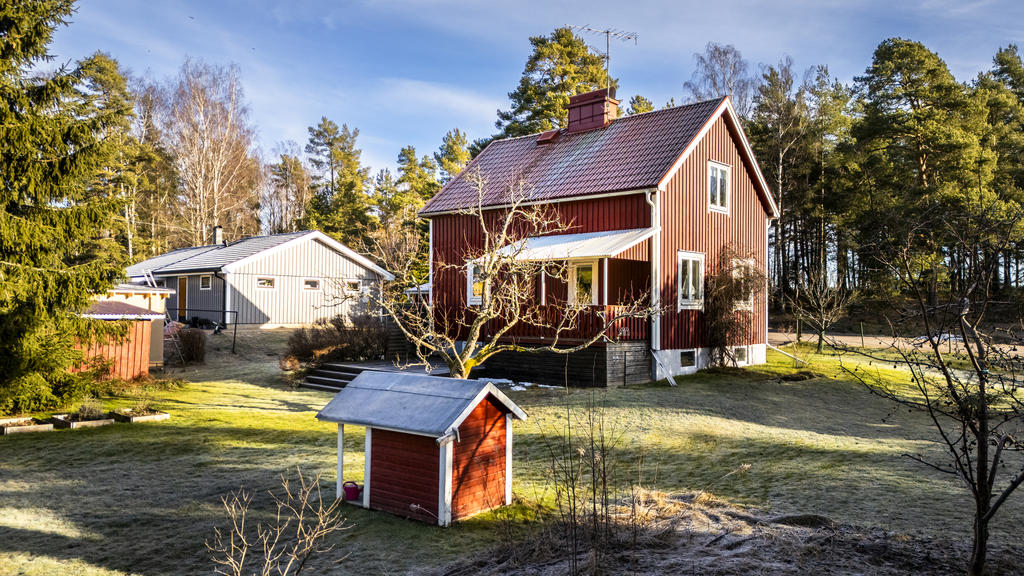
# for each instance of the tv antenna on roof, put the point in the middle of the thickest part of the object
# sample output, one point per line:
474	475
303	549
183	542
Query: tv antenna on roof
609	33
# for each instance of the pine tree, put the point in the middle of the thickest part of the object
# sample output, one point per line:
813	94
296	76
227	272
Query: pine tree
453	155
55	250
638	105
340	205
419	176
560	66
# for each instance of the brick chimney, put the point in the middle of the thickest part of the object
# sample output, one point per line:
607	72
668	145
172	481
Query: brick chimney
592	110
218	235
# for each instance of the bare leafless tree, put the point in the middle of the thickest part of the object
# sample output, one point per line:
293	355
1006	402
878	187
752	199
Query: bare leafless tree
286	192
820	304
973	396
209	134
722	71
505	292
299	530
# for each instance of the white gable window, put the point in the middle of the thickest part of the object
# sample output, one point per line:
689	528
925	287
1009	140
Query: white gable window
353	286
584	288
205	282
690	280
718	187
311	284
474	284
266	282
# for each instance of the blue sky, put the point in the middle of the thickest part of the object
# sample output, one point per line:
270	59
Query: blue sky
406	71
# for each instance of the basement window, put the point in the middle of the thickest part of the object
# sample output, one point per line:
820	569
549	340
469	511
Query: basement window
311	284
740	354
690	280
718	187
205	282
687	358
266	282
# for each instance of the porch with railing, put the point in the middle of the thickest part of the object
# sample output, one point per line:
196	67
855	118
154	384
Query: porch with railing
588	323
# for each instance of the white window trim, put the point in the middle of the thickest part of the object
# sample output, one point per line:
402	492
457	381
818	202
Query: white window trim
472	300
689	304
273	279
737	265
728	187
746	354
209	286
348	290
594	282
696	358
319	284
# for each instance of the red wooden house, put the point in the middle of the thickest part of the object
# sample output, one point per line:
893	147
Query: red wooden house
653	200
436	449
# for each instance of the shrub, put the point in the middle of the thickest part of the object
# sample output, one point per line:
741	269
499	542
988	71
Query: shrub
339	339
193	344
90	409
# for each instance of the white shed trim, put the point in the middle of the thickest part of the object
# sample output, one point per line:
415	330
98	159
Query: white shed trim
498	395
366	467
508	459
444	491
341	460
313	235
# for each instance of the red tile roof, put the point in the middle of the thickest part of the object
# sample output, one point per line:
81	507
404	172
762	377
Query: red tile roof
631	153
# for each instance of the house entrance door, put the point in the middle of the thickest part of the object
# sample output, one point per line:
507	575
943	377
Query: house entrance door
182	298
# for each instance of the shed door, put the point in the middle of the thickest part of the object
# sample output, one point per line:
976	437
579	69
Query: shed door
183	298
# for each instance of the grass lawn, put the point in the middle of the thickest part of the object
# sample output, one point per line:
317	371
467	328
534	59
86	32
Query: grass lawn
142	498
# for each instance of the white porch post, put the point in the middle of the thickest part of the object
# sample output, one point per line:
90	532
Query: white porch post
341	460
604	278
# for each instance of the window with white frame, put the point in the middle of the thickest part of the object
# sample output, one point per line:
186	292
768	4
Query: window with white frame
266	282
690	280
311	284
583	286
474	284
205	282
353	286
687	358
744	270
740	354
718	186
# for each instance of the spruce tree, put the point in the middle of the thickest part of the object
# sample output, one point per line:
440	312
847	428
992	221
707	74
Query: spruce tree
453	155
55	250
340	205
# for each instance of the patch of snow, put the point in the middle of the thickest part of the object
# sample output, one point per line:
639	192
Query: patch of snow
548	386
517	388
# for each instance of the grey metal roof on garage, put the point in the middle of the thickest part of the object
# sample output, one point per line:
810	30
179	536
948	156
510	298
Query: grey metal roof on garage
211	258
413	403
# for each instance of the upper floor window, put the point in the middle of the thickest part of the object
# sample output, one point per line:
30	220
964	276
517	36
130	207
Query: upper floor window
691	280
718	186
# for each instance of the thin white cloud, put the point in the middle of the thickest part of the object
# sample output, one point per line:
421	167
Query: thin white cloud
419	97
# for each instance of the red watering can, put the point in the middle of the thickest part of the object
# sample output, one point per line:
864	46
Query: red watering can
351	490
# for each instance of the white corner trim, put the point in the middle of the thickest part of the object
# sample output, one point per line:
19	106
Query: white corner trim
604	279
430	263
366	467
498	395
508	459
444	484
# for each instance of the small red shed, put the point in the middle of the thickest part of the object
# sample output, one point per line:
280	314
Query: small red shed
437	449
129	357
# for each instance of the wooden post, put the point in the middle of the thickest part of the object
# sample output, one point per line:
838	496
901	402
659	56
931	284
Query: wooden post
861	334
341	461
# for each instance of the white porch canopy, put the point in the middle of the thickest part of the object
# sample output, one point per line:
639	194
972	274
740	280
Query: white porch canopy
585	246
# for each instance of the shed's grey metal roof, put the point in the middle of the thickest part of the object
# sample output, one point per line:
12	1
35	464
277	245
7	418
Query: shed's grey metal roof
221	256
414	403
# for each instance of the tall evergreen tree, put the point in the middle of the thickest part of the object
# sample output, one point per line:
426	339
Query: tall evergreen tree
55	250
560	66
453	155
419	176
638	105
340	205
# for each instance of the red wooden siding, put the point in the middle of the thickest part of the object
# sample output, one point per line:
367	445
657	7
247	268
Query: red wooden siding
404	471
687	224
478	461
456	235
129	357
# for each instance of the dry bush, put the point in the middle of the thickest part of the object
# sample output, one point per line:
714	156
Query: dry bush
90	409
339	338
193	344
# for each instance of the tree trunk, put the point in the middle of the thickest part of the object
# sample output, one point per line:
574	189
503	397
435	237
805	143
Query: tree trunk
979	552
